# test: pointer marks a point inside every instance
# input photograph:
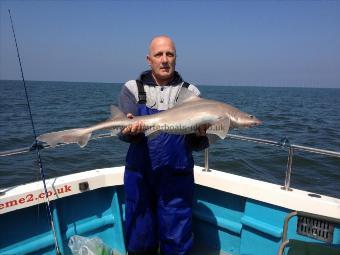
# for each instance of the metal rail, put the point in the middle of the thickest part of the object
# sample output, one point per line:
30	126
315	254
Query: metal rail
283	143
44	146
316	218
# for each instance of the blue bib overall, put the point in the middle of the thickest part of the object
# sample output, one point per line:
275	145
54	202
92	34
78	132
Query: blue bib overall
159	184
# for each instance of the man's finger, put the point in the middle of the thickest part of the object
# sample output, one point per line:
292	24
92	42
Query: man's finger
202	130
140	127
198	131
126	130
134	128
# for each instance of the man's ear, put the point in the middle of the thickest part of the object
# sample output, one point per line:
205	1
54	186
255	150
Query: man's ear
148	59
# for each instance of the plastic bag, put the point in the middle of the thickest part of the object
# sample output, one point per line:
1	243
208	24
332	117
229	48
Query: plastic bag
80	245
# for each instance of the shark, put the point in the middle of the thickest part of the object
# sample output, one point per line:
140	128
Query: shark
189	112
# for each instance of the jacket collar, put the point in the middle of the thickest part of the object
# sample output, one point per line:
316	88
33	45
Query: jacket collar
147	78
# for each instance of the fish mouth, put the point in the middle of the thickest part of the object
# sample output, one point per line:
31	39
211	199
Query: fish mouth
256	123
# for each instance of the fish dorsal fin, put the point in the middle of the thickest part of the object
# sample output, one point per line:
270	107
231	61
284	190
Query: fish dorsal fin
116	113
186	95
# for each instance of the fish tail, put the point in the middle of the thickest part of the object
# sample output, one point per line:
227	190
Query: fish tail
80	136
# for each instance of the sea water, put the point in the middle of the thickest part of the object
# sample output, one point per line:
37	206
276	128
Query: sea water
305	116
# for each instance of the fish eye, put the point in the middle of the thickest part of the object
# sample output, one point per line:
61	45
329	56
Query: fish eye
251	116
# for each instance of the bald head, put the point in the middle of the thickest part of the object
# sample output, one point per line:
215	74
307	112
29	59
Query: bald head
162	59
161	39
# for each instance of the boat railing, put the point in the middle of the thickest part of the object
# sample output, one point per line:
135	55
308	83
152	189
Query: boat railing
44	146
283	143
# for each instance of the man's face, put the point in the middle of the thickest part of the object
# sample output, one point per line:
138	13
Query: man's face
162	58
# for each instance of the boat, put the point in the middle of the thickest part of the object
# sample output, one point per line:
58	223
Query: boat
232	215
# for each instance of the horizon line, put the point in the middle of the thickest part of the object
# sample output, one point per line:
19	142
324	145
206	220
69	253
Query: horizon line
205	85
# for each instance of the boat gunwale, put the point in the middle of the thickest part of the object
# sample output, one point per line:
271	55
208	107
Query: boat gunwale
262	191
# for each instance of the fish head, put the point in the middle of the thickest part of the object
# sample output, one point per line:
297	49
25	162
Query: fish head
245	120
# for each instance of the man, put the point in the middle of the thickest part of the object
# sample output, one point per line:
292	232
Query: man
158	179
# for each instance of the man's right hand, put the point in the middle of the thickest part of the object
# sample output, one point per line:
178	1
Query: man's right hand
135	128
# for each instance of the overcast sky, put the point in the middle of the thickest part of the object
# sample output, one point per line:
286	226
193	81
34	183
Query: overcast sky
260	43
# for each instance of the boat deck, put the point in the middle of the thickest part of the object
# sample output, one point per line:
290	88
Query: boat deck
201	249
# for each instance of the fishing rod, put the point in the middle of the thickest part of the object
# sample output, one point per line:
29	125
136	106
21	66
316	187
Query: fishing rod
37	148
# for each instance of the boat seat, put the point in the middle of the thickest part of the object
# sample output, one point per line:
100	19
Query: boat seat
300	247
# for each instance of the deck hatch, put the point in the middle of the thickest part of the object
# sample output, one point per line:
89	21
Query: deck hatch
318	229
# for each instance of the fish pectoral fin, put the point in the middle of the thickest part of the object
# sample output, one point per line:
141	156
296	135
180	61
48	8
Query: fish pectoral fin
220	128
116	113
115	131
152	132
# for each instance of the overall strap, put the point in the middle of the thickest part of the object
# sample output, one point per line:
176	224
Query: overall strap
185	84
141	92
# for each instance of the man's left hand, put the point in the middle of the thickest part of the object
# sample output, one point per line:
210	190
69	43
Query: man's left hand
202	130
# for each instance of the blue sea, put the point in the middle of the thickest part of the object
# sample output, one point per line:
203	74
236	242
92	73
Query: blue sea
306	116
